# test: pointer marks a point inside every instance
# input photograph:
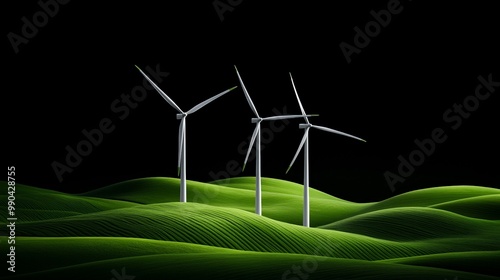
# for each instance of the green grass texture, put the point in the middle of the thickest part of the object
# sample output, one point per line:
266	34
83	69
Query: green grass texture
139	225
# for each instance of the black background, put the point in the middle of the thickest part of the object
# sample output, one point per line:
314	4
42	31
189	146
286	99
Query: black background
393	92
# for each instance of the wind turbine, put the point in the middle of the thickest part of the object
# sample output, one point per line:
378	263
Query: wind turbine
181	162
256	139
305	143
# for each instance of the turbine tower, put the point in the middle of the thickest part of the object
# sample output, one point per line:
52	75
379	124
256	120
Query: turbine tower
305	143
181	158
256	139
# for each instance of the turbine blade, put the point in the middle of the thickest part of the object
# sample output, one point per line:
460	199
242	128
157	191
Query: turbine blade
254	135
306	134
298	99
182	128
283	117
247	96
337	132
165	96
202	104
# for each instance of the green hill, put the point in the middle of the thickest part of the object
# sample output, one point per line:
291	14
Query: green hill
219	227
415	223
482	207
41	204
475	262
431	196
96	258
435	233
281	200
241	230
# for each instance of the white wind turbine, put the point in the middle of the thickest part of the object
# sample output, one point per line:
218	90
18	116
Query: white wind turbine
305	143
256	138
181	162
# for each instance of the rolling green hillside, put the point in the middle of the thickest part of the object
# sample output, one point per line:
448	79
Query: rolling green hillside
143	259
434	233
415	223
42	204
482	207
431	196
475	262
281	200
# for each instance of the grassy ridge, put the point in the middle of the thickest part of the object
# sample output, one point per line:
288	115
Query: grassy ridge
281	200
435	233
481	207
219	227
34	204
92	249
100	256
432	196
241	230
415	223
474	262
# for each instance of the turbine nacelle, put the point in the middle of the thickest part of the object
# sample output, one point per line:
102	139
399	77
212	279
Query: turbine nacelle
305	125
180	116
256	120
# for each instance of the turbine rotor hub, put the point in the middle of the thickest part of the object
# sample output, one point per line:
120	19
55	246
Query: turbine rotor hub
180	116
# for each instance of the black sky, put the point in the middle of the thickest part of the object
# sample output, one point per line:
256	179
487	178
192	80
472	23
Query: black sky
396	90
